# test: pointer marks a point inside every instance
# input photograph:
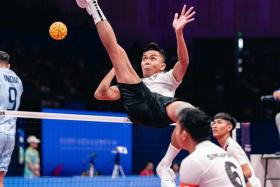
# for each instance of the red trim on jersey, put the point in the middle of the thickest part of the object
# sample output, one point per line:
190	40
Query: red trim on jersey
188	185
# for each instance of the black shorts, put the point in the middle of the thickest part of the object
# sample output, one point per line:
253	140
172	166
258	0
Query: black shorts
145	107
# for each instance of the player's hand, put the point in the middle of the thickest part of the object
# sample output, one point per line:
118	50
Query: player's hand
185	17
276	95
36	167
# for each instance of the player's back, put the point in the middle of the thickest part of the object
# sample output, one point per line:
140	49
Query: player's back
10	93
210	166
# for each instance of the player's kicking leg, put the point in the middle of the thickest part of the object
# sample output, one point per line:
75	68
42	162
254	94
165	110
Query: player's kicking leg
123	68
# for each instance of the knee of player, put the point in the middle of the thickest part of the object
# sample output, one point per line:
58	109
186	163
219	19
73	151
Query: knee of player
182	106
99	95
159	169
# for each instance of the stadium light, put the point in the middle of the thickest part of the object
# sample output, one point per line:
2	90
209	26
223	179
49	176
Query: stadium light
240	43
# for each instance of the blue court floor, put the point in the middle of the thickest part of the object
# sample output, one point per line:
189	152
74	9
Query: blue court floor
106	181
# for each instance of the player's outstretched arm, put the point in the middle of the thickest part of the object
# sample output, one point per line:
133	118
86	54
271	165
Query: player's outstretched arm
105	91
179	23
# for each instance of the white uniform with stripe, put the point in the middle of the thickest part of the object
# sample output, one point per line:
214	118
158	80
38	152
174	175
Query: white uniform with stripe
210	166
236	151
10	93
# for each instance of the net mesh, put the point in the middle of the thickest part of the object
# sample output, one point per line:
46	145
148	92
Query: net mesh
83	153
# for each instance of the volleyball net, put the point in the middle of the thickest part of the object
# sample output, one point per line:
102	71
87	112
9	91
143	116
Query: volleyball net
82	148
79	148
63	116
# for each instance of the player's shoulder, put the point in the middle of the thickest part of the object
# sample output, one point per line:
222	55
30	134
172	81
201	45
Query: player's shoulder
232	144
14	73
2	70
168	76
198	159
167	73
204	149
208	152
209	147
7	71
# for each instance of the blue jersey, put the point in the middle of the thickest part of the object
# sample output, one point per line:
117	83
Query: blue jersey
10	93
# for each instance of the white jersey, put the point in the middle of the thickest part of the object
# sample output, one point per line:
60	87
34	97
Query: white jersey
10	94
163	83
210	166
236	151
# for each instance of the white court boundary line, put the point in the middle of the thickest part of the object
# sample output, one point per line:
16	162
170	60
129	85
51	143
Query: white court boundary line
61	116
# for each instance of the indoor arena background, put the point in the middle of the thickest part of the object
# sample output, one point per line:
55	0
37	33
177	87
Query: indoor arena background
63	75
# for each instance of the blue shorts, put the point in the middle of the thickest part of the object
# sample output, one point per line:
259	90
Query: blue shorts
7	144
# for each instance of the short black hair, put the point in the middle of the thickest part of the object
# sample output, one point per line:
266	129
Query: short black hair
227	117
196	122
4	56
154	46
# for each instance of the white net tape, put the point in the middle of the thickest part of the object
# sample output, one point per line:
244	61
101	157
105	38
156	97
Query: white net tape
61	116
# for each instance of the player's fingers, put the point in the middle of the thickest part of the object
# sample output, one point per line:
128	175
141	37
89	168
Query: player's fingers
189	11
191	15
183	10
190	20
176	16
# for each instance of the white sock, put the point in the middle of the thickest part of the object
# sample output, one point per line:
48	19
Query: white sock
168	178
169	156
165	183
96	11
